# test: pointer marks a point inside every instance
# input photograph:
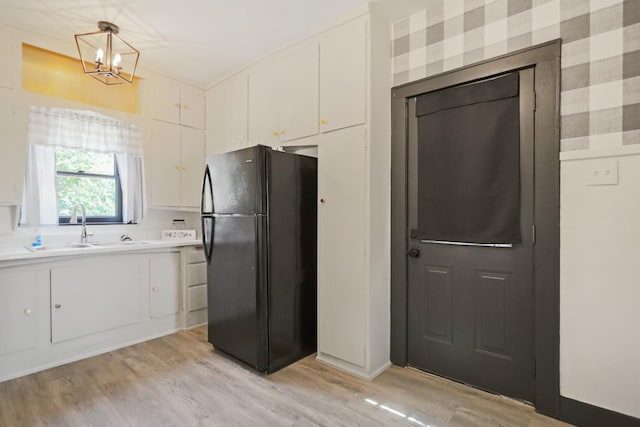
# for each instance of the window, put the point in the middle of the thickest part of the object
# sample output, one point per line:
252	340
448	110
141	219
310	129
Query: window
82	157
91	179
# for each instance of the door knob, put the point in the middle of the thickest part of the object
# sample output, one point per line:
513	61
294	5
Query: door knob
414	253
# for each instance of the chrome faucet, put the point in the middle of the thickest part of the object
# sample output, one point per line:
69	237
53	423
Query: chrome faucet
74	220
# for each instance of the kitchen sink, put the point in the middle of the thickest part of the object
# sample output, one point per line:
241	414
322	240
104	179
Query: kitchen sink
59	247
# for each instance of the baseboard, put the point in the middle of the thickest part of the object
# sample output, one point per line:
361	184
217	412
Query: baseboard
586	415
350	368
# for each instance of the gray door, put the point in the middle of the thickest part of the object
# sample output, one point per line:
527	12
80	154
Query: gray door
470	308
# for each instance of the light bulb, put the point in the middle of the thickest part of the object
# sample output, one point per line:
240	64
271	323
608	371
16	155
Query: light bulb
99	55
116	60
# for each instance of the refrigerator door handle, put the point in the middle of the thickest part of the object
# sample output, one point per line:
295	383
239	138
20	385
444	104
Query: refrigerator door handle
206	199
207	236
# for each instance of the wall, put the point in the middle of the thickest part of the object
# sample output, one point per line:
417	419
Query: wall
600	121
15	145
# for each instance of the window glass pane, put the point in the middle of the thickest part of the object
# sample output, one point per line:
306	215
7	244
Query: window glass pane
98	195
75	161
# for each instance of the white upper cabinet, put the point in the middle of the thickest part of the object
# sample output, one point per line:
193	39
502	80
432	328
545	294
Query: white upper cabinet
174	102
164	99
343	76
226	114
191	166
264	114
299	94
192	107
177	163
283	98
165	164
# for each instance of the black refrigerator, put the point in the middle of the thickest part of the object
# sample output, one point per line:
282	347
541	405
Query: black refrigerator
259	217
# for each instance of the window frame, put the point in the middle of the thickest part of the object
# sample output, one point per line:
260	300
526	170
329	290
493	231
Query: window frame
118	218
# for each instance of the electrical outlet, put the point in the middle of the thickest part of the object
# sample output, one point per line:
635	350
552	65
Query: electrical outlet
601	172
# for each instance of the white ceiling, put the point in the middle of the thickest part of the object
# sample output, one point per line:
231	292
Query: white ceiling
199	41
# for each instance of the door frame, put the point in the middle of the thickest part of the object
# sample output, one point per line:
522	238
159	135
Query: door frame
546	59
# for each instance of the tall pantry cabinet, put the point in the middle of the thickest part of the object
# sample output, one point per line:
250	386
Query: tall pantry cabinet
354	191
352	137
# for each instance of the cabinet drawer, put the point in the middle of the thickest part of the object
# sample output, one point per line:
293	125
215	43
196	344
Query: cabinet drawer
197	298
197	274
196	254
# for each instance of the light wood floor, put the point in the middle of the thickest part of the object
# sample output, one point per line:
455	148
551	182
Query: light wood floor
179	380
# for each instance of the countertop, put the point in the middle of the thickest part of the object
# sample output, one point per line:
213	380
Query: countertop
22	253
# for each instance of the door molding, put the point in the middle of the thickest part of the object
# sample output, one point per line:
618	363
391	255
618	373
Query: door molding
546	60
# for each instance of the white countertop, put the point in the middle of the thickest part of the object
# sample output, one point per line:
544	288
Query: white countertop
13	253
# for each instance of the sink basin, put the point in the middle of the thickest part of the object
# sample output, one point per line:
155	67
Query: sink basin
120	243
60	247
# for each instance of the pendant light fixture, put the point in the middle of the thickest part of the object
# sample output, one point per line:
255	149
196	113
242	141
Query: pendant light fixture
105	55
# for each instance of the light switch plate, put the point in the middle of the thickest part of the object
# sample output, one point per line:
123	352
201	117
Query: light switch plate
601	172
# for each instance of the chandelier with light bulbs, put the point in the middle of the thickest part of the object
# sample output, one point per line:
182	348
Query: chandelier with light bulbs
106	56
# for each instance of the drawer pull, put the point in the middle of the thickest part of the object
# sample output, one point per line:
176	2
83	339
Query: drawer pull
58	306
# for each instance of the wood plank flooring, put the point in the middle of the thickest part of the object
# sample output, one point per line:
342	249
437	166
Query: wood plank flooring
179	380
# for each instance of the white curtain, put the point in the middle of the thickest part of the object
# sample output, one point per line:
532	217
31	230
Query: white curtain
81	130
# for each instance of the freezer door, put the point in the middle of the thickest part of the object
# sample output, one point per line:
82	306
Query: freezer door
237	290
238	182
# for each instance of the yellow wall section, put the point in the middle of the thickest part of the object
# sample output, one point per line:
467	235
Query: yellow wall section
53	74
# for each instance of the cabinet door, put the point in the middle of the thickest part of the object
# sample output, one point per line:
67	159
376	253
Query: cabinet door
165	164
163	97
192	166
164	284
343	76
19	313
226	114
192	107
96	296
264	120
299	94
341	245
12	159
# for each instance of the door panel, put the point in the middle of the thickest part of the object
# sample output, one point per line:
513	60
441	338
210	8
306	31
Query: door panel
165	164
192	159
437	292
233	287
341	260
470	308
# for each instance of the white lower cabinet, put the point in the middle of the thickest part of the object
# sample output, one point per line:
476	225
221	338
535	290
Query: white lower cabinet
58	310
19	313
164	284
96	296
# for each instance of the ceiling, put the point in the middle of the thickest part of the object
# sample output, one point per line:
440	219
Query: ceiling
199	41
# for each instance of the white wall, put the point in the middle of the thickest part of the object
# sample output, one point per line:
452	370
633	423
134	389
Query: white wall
600	285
